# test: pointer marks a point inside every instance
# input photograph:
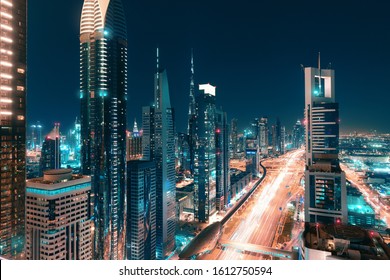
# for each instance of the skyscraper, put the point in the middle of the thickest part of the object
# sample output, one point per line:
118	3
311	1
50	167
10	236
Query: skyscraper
192	117
222	160
141	210
298	135
233	139
13	126
205	154
158	144
103	88
58	225
134	144
51	154
325	185
263	137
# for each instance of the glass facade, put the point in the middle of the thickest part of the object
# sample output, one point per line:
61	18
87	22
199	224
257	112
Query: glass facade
103	89
13	126
205	157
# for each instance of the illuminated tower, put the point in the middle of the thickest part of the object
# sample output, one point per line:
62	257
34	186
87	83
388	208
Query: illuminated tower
158	144
103	88
51	155
12	126
205	154
325	186
192	117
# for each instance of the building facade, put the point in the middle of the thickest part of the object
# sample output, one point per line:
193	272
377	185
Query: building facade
103	89
325	183
158	144
222	160
13	72
58	225
141	210
51	154
205	154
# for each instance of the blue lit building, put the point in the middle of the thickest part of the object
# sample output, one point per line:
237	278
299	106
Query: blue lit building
103	89
141	210
205	163
51	154
158	144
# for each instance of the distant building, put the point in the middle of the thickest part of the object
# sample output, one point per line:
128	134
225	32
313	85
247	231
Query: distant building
238	182
182	151
325	183
298	136
233	139
141	210
51	154
342	242
58	225
263	136
134	144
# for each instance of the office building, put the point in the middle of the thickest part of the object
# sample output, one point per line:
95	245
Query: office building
158	144
325	184
233	139
103	89
13	67
182	151
141	210
51	154
205	154
263	136
222	160
298	135
58	225
134	143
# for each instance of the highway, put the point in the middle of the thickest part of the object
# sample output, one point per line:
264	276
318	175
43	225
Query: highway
257	223
370	195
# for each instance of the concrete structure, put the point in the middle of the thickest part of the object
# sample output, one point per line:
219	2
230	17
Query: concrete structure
158	144
58	225
141	210
13	71
325	184
103	90
341	242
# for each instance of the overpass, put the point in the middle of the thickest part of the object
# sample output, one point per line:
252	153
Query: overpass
259	249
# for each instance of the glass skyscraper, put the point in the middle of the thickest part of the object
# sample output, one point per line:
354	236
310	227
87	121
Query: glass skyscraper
103	88
205	162
13	126
158	144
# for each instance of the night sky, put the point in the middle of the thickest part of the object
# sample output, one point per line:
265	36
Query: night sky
250	49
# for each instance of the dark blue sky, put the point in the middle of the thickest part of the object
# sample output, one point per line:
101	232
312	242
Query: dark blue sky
251	50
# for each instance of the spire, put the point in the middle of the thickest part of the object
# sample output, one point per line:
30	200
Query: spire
135	128
157	94
191	109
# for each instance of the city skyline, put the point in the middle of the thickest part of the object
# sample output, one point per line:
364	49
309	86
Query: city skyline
274	51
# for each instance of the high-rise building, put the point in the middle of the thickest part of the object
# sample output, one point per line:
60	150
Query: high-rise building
58	225
325	184
182	148
205	154
158	144
13	126
51	154
134	144
192	117
222	160
263	135
141	210
103	89
298	136
233	139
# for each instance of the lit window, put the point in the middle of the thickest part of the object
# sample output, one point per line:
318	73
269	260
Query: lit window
20	118
21	71
20	88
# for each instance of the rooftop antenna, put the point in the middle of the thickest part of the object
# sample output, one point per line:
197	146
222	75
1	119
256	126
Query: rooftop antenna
320	80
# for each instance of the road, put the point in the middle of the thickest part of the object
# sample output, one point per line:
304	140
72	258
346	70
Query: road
370	195
257	223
